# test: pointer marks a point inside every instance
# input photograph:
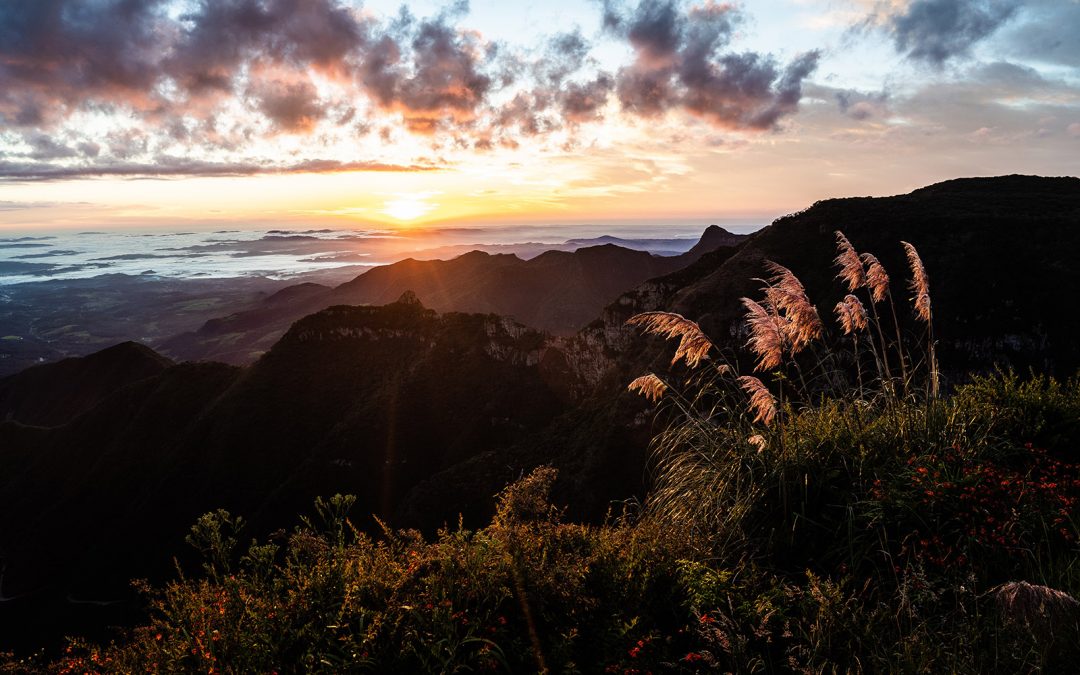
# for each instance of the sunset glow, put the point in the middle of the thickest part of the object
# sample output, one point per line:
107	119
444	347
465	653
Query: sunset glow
408	207
187	113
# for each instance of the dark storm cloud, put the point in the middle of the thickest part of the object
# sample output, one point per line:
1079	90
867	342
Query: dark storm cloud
120	52
934	31
559	98
682	62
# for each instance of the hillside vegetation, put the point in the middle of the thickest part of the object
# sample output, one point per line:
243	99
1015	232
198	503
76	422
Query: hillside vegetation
920	538
834	512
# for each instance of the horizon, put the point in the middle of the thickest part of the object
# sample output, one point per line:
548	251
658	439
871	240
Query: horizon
171	115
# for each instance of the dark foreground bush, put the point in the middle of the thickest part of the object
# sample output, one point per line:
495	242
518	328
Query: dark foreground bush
918	540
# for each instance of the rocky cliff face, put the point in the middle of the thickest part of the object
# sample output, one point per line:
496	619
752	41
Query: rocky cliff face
501	338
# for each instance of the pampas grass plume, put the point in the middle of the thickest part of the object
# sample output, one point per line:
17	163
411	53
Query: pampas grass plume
920	282
877	279
762	402
694	345
851	267
766	335
650	386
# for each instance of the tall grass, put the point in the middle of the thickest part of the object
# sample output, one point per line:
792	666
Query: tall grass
693	471
924	499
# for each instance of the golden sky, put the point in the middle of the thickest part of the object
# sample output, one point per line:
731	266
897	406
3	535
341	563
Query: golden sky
329	112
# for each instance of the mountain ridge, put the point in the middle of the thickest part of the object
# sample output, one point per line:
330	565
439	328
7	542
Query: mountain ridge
53	393
556	291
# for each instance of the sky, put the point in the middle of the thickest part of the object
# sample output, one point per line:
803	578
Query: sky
189	113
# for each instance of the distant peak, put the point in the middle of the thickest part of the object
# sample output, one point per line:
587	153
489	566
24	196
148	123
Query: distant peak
714	237
129	350
409	298
714	230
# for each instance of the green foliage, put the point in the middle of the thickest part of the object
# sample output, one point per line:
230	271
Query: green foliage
901	518
214	536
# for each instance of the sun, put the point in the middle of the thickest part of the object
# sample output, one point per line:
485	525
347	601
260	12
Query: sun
408	207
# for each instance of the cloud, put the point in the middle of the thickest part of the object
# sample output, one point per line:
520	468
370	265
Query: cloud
859	105
165	167
430	72
292	107
58	50
145	256
169	84
564	55
220	36
10	268
582	102
44	147
46	254
935	31
682	63
1046	31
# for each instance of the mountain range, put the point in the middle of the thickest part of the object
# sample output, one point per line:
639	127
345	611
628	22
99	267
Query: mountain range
556	291
426	400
